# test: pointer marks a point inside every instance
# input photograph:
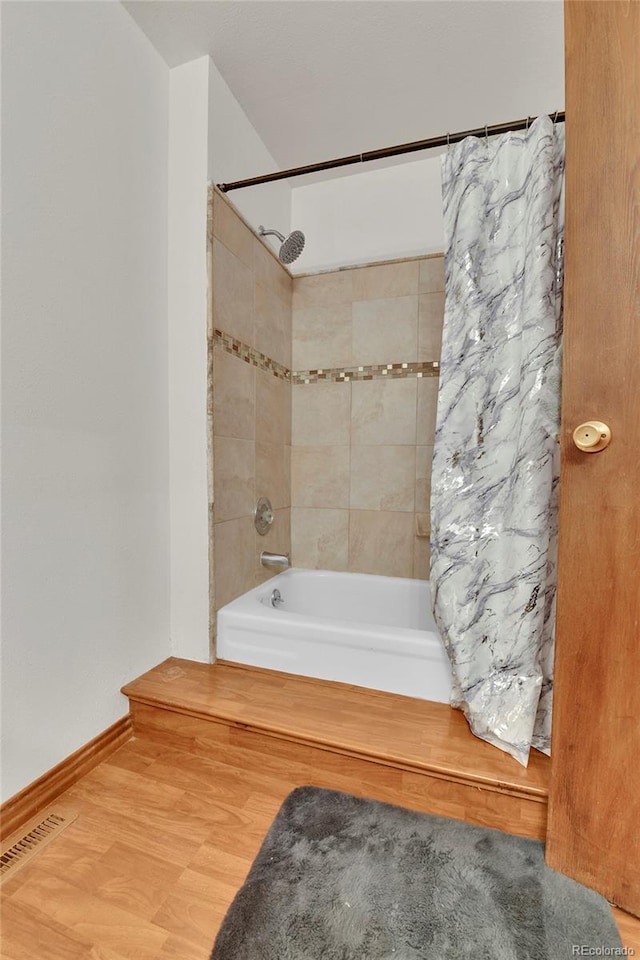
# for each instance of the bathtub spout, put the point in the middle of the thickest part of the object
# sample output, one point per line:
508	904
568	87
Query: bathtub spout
274	559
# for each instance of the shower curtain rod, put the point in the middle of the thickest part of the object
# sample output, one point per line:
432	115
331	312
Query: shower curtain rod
443	141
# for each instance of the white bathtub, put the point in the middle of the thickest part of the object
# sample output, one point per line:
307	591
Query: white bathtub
371	631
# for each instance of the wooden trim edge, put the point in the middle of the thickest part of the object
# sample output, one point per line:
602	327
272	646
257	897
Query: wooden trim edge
358	753
35	796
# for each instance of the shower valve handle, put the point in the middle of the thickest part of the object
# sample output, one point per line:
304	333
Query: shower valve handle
592	436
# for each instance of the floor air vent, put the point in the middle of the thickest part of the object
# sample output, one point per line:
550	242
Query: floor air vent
21	847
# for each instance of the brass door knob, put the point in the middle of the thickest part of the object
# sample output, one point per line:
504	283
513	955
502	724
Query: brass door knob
592	436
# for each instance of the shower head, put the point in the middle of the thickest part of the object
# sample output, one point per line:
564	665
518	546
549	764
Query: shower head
291	246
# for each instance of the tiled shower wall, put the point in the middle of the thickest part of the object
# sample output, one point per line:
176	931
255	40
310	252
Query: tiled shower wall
345	454
249	401
366	349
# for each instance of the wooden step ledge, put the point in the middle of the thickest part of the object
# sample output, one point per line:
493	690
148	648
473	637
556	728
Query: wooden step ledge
413	735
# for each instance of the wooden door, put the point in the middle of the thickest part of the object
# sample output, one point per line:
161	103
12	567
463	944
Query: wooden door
594	809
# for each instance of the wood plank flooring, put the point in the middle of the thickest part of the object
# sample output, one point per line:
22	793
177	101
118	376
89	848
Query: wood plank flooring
163	839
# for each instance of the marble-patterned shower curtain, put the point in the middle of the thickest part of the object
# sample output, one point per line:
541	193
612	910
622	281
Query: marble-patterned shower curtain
496	458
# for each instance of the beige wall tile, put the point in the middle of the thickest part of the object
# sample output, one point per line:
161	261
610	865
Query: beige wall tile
381	542
427	409
268	269
322	337
251	403
234	559
232	294
423	525
383	412
431	274
424	457
319	538
421	558
430	317
272	325
233	478
323	290
320	476
276	540
383	478
231	231
286	289
234	396
321	414
287	317
273	473
273	409
386	280
385	331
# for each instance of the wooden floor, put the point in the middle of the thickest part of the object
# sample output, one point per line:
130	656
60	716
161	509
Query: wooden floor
162	841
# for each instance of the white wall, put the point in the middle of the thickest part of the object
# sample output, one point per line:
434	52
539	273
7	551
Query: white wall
209	138
85	410
237	152
188	139
378	214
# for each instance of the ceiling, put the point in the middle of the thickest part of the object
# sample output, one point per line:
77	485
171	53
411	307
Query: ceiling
323	78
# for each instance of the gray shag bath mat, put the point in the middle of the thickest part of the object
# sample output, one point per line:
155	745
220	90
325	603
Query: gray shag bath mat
340	878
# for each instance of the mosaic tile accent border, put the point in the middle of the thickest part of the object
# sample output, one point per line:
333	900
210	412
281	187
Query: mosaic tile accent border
250	355
373	371
376	371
